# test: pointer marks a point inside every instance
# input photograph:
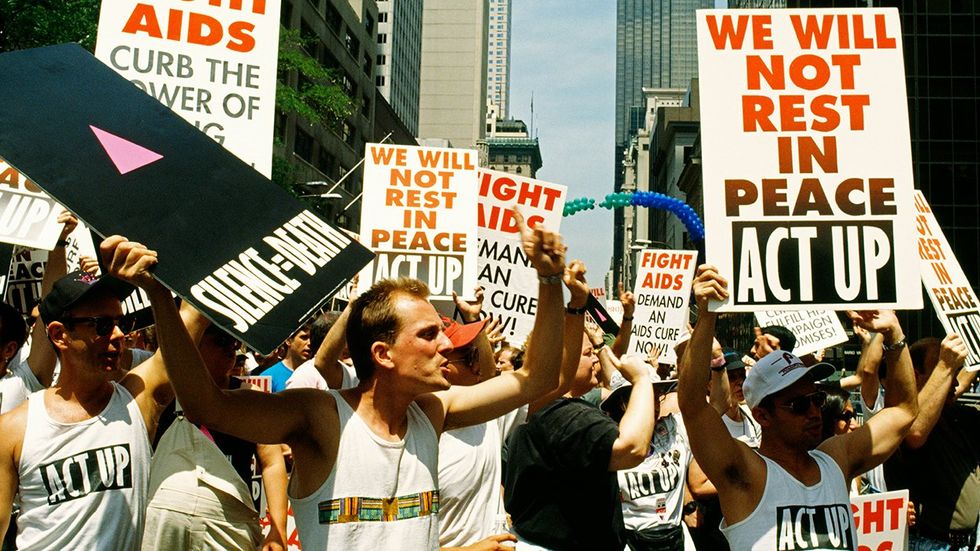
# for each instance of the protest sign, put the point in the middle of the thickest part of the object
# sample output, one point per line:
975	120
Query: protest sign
6	258
662	290
615	309
813	329
509	281
881	521
28	216
597	313
417	214
231	243
952	296
28	265
213	63
599	293
807	168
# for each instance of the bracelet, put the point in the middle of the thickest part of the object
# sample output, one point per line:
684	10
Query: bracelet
627	318
598	347
550	280
718	364
61	243
894	346
575	311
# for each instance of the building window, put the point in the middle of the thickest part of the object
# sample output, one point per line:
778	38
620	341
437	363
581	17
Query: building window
367	64
383	17
353	44
379	80
382	38
381	60
518	170
304	146
369	24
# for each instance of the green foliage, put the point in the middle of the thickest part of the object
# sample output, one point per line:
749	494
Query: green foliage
318	98
35	23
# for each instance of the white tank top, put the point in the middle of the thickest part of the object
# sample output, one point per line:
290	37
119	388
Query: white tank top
469	482
792	516
17	384
653	492
380	494
83	485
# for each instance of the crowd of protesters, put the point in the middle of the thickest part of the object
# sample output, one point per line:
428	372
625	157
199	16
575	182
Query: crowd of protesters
390	426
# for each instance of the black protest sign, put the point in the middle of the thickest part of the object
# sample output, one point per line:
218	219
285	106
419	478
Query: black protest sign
6	257
230	242
598	312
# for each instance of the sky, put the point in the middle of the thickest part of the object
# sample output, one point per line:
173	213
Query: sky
565	53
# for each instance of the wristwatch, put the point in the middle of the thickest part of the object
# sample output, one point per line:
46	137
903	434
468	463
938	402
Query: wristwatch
894	346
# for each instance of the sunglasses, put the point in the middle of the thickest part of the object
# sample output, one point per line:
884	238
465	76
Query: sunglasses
104	324
801	404
847	416
224	340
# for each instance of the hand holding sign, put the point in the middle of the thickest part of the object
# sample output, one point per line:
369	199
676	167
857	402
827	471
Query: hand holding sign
878	321
543	248
952	352
68	223
574	279
129	261
709	285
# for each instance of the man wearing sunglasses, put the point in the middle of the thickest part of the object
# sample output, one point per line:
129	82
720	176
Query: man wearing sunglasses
78	454
792	492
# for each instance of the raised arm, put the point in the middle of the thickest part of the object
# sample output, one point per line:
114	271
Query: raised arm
607	369
932	397
12	427
622	342
727	462
720	392
327	358
572	328
241	413
42	358
871	356
490	399
636	426
860	451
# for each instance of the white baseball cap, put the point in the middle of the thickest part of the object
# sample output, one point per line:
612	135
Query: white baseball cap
776	371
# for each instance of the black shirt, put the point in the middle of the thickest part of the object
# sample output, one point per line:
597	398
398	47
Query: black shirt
557	485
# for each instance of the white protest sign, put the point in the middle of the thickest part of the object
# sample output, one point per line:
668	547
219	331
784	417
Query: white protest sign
417	214
28	217
881	521
813	329
662	289
952	296
509	281
28	265
806	158
213	63
615	309
600	294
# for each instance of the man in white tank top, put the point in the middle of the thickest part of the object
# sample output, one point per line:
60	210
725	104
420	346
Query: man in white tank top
78	454
791	493
364	459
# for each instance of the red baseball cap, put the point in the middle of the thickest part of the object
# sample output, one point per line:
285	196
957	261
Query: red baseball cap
462	334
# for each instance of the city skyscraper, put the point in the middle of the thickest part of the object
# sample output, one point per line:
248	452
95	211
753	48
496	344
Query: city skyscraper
656	47
399	58
453	89
498	57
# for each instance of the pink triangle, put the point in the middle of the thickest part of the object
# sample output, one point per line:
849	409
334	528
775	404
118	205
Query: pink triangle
126	155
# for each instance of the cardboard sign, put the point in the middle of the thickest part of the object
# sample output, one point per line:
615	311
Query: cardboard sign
813	329
662	290
615	309
952	296
262	382
598	314
28	216
28	265
881	521
417	214
509	281
230	242
807	158
213	63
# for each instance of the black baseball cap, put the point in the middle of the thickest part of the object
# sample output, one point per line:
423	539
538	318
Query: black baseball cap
733	361
72	288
